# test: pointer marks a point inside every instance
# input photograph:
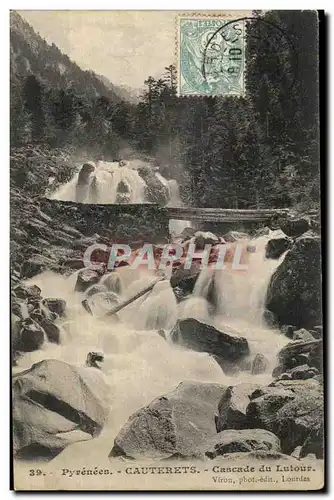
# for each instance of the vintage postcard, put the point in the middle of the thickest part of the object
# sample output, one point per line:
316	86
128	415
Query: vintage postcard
166	288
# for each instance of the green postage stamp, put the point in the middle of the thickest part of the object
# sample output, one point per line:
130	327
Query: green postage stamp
211	55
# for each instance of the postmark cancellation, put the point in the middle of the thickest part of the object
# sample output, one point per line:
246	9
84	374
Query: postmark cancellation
211	55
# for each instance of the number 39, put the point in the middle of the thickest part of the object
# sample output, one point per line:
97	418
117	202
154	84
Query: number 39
35	472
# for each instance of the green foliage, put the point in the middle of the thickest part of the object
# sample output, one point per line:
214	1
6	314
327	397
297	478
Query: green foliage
229	152
252	152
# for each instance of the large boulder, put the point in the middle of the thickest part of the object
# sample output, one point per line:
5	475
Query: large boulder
294	292
185	279
56	404
156	191
302	372
295	226
57	306
303	335
265	402
276	247
241	441
290	409
201	238
198	336
298	347
232	407
52	331
85	279
31	336
24	291
175	425
300	359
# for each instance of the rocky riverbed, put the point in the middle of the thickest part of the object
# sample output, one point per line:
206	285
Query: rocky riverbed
203	388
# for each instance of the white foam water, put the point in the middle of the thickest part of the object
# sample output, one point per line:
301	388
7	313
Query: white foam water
139	364
103	184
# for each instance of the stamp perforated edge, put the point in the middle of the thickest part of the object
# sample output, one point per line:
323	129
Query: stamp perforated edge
205	14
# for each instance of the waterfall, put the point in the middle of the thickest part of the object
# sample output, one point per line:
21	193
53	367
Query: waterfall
109	183
239	300
176	226
139	364
175	198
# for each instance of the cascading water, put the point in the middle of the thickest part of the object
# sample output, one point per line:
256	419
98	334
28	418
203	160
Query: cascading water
139	364
239	297
106	185
176	226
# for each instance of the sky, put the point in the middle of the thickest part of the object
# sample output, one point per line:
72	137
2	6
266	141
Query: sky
124	46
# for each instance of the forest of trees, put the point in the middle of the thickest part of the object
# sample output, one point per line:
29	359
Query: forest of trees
258	151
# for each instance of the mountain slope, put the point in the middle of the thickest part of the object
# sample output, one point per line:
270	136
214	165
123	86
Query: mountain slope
31	54
127	93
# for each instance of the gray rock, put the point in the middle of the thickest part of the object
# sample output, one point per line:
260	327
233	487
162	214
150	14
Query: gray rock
16	307
175	425
302	334
57	306
296	419
233	236
200	239
263	456
241	441
24	291
270	318
298	387
73	264
262	231
278	371
52	331
86	278
49	415
303	372
315	357
188	232
15	325
288	330
295	226
302	359
317	331
94	359
185	279
36	264
162	333
262	409
259	365
291	411
94	289
201	337
180	295
232	407
31	336
294	291
314	443
276	247
297	347
296	452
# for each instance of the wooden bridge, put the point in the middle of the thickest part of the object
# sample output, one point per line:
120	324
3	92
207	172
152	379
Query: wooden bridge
150	221
223	214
